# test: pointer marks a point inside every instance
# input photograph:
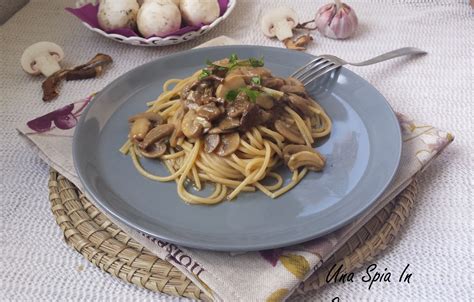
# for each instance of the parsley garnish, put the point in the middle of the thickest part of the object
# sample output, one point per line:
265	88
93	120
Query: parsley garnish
254	62
233	59
256	80
204	74
252	94
232	95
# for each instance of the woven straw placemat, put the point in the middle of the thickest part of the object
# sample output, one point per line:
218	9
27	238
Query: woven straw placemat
90	233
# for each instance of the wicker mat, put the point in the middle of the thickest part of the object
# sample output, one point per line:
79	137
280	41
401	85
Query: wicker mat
90	233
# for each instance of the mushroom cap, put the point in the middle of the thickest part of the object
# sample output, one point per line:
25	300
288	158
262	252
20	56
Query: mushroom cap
158	18
37	50
277	15
196	12
115	14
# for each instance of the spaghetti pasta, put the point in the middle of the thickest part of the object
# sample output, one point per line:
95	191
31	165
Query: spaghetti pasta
211	138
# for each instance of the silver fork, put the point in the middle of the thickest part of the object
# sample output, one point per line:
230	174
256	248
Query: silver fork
326	63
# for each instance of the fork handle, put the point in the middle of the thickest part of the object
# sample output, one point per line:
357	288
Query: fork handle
390	55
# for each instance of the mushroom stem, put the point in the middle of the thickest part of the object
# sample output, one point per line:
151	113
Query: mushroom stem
47	65
282	30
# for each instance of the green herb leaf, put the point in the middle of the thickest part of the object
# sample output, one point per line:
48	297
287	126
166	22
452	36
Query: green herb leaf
252	94
231	95
233	59
256	80
254	62
204	73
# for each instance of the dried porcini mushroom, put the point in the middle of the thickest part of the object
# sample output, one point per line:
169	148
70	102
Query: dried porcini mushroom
91	69
299	43
308	159
289	132
229	144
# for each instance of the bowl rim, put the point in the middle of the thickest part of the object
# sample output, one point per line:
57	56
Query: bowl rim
151	41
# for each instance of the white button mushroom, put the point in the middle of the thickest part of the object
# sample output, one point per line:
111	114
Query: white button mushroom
115	14
196	12
279	22
42	57
158	17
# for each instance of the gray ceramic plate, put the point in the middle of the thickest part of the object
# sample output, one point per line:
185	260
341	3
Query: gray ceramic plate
363	153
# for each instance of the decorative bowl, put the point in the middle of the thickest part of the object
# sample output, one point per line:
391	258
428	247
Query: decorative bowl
84	10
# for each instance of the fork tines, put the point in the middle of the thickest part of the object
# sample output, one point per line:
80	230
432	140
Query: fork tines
315	69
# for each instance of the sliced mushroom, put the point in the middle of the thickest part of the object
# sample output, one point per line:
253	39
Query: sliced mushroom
300	103
293	82
151	116
156	150
211	142
289	132
311	160
239	106
250	118
42	57
265	101
156	134
206	125
226	125
209	111
139	129
279	22
230	82
289	150
299	90
190	128
274	83
229	144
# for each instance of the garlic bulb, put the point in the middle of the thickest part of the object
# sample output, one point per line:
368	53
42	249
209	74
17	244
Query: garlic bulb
336	20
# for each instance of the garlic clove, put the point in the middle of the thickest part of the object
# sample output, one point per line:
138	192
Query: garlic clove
336	20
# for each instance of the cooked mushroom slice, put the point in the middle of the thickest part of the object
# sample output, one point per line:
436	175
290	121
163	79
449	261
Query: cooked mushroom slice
289	132
156	134
156	150
139	129
231	82
250	118
211	142
229	123
289	150
265	101
274	83
229	144
299	90
293	82
206	125
209	111
151	116
239	106
311	160
299	103
190	128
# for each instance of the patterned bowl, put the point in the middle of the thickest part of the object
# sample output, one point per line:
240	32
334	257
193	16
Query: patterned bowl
183	35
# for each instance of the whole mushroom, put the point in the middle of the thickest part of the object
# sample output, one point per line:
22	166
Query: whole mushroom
158	18
42	57
197	12
279	22
115	14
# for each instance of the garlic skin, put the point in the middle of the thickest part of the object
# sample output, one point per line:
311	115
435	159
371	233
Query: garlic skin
336	20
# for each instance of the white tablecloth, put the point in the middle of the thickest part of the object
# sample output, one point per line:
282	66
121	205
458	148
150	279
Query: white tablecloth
437	240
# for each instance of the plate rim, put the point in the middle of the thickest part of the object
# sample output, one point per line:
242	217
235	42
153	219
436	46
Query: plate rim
226	247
